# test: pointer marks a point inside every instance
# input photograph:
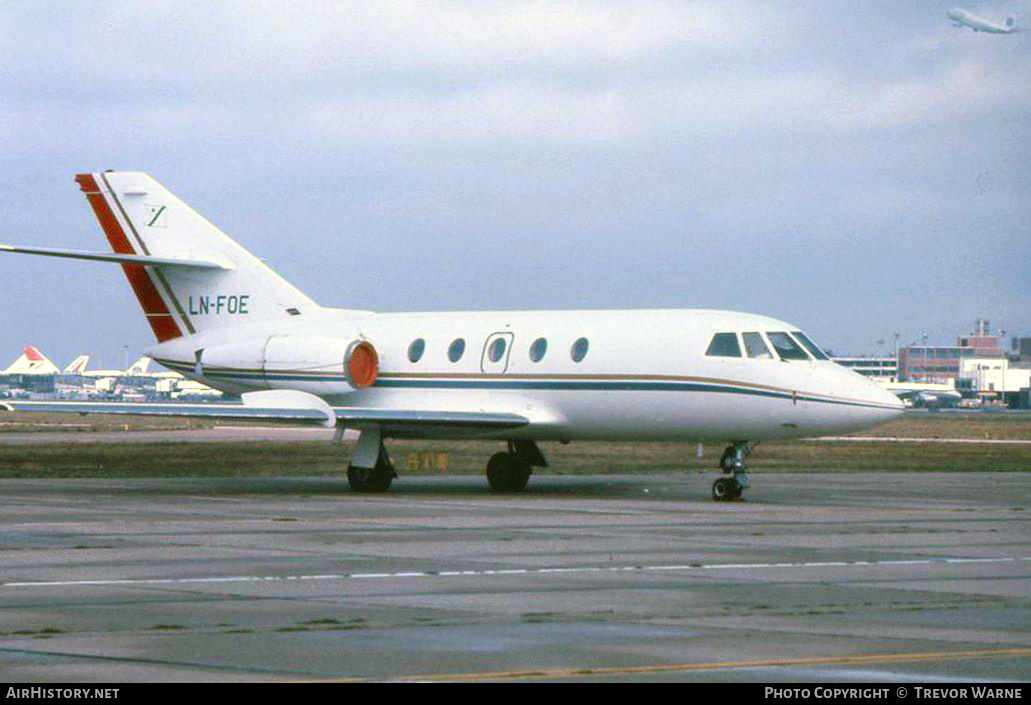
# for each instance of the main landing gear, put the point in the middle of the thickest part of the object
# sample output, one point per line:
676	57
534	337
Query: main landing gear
370	469
735	474
509	472
374	479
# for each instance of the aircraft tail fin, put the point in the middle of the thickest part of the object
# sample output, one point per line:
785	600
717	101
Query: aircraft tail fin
140	367
32	362
187	274
77	366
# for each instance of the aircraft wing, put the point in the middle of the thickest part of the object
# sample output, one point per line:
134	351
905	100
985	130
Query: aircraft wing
389	421
425	423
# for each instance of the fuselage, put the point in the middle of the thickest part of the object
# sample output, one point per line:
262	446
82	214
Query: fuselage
576	375
979	24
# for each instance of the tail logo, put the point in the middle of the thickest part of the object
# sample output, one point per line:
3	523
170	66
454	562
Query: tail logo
156	216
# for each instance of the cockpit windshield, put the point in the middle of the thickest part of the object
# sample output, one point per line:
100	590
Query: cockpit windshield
809	345
787	348
724	345
755	347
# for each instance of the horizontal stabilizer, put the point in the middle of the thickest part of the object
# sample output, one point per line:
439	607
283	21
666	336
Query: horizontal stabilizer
115	257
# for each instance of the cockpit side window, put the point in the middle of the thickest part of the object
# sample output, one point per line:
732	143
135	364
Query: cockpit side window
724	345
786	347
755	347
809	345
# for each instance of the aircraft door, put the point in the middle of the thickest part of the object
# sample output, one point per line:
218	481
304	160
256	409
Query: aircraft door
496	351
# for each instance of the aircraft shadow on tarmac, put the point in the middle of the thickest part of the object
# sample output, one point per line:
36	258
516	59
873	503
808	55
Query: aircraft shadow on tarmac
453	487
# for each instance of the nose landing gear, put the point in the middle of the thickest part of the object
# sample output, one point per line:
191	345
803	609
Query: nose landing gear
735	479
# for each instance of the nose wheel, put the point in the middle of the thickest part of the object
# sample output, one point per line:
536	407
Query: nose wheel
735	474
725	489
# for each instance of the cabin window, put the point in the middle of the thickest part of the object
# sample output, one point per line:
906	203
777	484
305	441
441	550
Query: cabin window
537	349
416	349
786	347
809	345
456	349
496	350
755	347
724	345
579	350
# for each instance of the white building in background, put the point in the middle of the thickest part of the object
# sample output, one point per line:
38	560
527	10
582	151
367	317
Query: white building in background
990	377
873	366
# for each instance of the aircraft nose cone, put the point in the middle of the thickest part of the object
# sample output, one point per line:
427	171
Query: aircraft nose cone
864	404
889	405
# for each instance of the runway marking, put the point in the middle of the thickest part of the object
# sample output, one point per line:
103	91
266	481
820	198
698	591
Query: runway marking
590	672
889	439
513	571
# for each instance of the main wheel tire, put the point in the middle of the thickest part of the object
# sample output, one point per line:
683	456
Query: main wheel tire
725	489
368	480
507	473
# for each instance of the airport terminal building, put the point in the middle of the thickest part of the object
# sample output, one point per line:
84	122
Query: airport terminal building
942	364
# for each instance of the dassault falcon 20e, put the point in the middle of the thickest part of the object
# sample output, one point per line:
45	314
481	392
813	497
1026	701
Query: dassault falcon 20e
224	318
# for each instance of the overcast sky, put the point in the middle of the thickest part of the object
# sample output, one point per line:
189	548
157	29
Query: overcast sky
858	169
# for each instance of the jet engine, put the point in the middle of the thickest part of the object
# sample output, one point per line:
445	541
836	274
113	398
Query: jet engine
316	364
290	360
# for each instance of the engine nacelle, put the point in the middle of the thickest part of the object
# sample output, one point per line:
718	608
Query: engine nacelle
316	364
292	362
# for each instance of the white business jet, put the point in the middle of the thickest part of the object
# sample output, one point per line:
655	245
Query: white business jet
224	318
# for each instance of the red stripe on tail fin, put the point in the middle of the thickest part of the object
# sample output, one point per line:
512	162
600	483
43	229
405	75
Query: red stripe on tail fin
158	316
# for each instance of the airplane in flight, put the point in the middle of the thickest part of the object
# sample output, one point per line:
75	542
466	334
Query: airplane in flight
222	317
963	18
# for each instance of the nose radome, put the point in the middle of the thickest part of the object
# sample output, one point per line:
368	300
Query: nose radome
872	403
885	406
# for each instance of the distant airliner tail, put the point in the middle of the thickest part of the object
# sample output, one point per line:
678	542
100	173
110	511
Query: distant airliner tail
139	368
77	366
32	362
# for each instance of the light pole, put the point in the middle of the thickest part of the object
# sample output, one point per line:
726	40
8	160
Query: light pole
1005	361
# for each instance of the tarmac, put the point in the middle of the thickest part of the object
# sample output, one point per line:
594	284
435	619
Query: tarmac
638	577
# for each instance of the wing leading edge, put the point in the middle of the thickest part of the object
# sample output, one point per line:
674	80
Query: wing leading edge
389	421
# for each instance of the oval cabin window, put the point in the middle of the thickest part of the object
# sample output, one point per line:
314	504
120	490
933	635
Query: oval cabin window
496	350
416	349
579	350
455	351
537	349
